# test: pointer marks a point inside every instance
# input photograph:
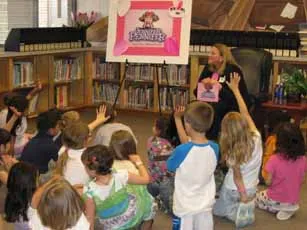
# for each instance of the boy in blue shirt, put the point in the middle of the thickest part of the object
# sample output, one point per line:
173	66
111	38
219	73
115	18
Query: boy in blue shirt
194	163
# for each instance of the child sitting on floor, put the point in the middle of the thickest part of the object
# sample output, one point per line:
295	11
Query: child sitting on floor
274	119
109	198
57	206
241	146
13	119
159	149
69	165
21	185
105	132
285	173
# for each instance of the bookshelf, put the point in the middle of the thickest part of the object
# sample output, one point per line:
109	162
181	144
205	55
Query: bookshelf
85	79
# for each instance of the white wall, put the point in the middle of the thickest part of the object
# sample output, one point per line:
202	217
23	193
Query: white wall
99	6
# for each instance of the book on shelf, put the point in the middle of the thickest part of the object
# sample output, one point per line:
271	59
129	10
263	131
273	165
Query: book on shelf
138	97
23	74
32	108
61	96
105	92
140	72
105	70
176	74
172	97
67	69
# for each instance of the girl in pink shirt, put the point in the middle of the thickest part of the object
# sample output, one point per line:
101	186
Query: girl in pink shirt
286	170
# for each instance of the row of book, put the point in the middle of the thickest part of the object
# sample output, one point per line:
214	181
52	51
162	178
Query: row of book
23	74
61	96
67	69
279	44
140	72
105	92
50	46
138	97
172	97
174	74
303	38
104	70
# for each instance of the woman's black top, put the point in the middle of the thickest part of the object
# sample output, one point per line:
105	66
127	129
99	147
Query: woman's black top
227	100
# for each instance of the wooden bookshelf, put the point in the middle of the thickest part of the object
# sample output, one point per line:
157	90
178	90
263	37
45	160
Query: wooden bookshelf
80	92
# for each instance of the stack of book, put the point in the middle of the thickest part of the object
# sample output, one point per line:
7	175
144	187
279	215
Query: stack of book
303	39
176	74
104	70
105	92
67	69
138	97
140	72
172	98
23	74
61	96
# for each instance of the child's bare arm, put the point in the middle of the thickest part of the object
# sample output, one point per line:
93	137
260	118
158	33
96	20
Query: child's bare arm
100	118
184	138
144	177
3	177
234	86
268	180
237	176
90	210
9	125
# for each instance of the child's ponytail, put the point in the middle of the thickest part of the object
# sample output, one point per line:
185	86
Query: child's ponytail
61	163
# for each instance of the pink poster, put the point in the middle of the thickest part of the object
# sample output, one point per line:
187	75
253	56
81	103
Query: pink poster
149	31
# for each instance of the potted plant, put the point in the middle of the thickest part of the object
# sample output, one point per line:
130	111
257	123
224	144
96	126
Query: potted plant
295	83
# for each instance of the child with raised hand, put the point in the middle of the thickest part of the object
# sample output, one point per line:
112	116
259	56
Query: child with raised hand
285	171
105	132
241	148
159	149
194	163
21	185
13	118
57	206
110	197
74	116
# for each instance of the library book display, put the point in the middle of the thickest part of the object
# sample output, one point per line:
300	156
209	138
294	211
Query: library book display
80	77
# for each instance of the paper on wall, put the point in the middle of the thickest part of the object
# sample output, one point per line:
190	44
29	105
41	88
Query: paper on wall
277	28
289	11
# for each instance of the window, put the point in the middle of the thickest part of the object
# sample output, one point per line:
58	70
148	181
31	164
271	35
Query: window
34	13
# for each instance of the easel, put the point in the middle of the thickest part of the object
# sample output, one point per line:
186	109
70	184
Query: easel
164	74
121	84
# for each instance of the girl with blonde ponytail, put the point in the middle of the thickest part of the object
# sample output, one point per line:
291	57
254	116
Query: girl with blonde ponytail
69	165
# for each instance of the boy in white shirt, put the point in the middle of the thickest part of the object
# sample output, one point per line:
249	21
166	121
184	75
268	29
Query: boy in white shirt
194	163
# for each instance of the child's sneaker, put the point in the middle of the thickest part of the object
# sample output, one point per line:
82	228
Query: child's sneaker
284	215
245	214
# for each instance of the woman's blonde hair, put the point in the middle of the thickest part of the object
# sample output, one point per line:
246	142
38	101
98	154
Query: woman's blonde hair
74	136
69	117
227	57
60	206
236	140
